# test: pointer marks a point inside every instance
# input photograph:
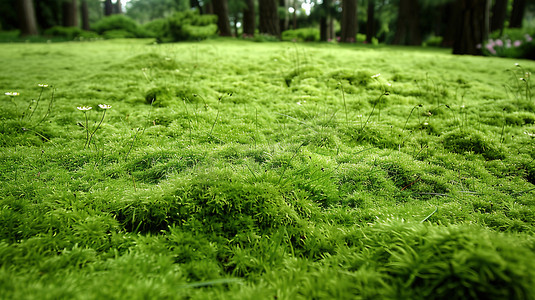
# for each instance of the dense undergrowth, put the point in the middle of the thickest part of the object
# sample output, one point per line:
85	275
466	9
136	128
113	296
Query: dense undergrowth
230	169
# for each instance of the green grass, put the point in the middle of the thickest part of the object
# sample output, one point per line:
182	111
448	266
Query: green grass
232	169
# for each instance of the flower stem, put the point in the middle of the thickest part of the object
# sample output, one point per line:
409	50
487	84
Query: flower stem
94	131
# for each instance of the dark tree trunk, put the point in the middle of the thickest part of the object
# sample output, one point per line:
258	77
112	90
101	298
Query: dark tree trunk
70	13
349	21
108	8
517	15
269	17
325	32
221	10
118	8
284	22
499	11
249	19
470	29
209	8
26	16
408	30
370	23
450	11
85	15
294	16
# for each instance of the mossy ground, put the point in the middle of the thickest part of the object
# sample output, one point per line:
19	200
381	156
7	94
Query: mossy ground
232	169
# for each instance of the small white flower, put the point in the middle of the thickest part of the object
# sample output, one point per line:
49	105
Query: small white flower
376	75
388	84
530	134
104	106
12	93
84	108
462	106
425	124
43	85
517	64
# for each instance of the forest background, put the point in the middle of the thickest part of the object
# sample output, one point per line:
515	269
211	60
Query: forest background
466	26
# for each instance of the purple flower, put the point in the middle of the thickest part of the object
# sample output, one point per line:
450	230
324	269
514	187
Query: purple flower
490	48
508	44
528	38
517	43
499	43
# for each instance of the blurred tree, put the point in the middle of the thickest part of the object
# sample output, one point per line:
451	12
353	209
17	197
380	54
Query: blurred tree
208	7
407	29
117	7
221	10
269	17
70	13
235	8
370	21
326	21
249	18
285	21
108	8
499	11
349	21
517	14
471	26
26	17
147	10
49	13
85	15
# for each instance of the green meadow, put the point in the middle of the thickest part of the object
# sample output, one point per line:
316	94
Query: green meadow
230	169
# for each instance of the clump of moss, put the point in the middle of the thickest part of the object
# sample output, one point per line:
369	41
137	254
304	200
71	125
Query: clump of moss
470	140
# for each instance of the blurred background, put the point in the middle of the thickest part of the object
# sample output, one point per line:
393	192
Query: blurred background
479	27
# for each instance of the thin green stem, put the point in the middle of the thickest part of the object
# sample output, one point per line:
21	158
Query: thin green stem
94	131
86	130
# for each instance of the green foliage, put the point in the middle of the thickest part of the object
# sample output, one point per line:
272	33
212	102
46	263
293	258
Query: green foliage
70	33
301	35
186	26
433	41
118	26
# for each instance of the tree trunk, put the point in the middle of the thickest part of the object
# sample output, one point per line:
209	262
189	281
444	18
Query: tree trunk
108	8
294	15
517	15
209	8
70	13
470	29
325	34
85	15
283	23
370	23
349	21
26	16
118	8
499	11
221	10
408	31
269	17
450	11
249	19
